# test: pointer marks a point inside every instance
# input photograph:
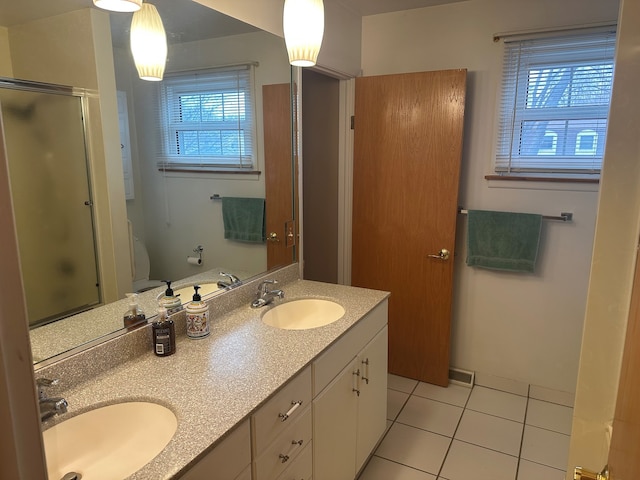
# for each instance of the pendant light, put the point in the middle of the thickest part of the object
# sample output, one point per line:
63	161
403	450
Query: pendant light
303	23
119	5
148	43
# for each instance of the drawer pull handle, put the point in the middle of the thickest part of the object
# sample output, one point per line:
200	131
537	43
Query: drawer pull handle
294	405
284	458
356	388
365	362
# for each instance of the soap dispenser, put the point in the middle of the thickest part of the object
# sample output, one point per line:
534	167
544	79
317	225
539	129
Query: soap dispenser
170	301
164	334
134	316
197	316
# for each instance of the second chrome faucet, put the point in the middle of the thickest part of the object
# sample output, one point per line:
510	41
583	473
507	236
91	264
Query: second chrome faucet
264	296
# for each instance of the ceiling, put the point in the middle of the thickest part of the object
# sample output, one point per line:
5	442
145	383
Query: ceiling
184	20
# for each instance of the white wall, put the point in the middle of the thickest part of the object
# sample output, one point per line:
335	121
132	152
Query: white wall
176	209
6	70
525	327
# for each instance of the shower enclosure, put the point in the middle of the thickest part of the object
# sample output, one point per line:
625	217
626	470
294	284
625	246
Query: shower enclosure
43	132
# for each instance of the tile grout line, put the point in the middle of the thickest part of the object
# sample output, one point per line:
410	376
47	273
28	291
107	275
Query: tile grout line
444	459
524	425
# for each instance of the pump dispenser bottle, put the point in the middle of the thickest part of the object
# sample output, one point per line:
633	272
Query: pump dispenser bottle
164	334
134	316
170	301
197	316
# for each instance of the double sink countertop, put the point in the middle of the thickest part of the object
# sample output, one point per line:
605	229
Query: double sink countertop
214	383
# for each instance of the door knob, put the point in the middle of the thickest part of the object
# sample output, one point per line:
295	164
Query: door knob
273	237
441	255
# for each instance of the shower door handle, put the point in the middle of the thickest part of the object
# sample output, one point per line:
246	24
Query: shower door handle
441	255
89	203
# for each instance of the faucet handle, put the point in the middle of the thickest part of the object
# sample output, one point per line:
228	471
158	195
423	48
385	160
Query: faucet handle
45	382
262	288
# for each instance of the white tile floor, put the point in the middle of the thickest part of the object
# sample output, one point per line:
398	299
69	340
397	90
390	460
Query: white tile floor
458	433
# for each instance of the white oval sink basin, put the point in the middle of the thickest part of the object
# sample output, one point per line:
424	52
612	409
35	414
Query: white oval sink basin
303	314
186	293
109	442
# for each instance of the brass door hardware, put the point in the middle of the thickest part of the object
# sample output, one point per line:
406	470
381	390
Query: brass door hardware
441	255
580	473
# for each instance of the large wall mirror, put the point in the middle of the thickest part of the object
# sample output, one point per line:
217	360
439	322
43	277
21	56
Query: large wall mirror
149	213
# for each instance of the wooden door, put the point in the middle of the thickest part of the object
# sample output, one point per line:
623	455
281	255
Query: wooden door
624	453
279	175
407	152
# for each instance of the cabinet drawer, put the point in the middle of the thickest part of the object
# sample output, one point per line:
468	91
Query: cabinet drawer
329	364
272	418
285	448
302	466
226	460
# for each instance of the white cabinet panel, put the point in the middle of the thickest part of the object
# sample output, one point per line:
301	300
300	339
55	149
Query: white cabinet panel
372	403
335	413
227	460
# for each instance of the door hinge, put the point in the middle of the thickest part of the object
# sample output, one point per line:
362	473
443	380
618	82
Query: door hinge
353	122
580	473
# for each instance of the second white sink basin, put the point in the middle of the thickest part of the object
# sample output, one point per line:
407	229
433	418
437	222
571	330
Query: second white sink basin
303	314
186	293
109	442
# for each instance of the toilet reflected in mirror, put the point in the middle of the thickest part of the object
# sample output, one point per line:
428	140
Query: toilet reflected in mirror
142	267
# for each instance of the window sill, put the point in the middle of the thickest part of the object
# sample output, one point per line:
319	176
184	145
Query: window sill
542	178
540	182
209	170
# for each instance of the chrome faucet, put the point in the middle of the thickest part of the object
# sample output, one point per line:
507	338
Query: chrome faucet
232	283
266	296
49	407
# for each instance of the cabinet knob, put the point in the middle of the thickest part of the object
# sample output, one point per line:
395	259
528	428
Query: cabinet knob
284	457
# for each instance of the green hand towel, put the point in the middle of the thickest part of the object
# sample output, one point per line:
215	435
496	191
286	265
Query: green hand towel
503	240
244	219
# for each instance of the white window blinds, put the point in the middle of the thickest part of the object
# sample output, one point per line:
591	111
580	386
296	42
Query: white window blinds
555	103
207	118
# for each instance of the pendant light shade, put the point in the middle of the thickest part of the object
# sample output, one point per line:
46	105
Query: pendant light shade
119	5
148	43
303	23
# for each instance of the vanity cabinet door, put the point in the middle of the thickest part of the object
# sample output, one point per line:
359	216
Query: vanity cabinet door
372	403
228	460
334	427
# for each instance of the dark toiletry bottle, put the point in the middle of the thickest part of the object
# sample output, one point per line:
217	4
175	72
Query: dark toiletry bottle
134	317
164	335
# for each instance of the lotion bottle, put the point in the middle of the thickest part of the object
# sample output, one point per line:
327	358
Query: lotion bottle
134	316
170	301
164	334
197	316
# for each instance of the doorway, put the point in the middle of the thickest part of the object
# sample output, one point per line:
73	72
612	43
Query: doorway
320	153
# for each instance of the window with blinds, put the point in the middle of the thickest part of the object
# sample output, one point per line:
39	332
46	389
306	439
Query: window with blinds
207	119
555	102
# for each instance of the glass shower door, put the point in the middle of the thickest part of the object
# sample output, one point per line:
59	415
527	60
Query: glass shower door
47	160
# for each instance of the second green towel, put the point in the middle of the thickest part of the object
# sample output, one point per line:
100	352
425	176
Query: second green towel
503	240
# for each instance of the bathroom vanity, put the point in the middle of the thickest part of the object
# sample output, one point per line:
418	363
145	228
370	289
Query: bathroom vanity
252	401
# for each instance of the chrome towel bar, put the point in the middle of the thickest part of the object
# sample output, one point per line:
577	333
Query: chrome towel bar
563	217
